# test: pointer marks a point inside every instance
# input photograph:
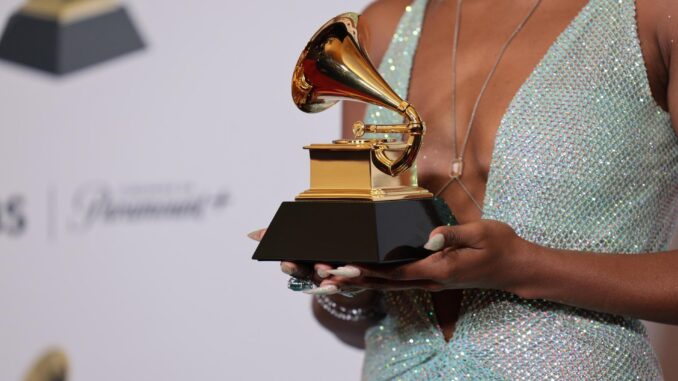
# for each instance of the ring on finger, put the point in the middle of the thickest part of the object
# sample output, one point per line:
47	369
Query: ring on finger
299	284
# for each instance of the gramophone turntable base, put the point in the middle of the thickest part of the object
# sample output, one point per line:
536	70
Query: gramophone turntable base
350	231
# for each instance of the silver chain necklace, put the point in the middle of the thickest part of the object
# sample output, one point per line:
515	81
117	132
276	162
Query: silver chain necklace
456	169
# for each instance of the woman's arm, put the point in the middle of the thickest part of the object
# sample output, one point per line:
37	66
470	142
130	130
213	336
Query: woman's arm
646	285
349	332
489	254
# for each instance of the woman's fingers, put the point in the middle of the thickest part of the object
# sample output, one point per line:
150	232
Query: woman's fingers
316	273
324	289
257	235
437	267
364	283
332	279
323	278
412	275
345	271
459	251
353	278
296	270
321	272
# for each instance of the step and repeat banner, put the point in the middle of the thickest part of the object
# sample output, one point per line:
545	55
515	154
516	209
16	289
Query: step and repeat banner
127	189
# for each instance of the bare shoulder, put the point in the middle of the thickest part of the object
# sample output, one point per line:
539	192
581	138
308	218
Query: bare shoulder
378	22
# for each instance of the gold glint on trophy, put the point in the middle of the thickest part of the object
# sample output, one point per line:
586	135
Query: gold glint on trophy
363	204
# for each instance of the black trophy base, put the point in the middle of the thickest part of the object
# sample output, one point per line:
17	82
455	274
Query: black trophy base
61	48
339	232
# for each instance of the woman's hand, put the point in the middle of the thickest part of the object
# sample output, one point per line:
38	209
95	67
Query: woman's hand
315	273
351	331
482	254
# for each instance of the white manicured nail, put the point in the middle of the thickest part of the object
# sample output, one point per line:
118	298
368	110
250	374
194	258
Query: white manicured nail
346	271
286	268
330	289
435	243
322	273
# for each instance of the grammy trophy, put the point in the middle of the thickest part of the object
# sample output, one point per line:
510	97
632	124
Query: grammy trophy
363	204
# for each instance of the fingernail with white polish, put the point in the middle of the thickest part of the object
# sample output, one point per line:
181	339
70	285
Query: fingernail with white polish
322	273
435	243
330	289
286	268
346	271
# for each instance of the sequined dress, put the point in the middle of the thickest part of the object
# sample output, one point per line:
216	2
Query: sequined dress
584	159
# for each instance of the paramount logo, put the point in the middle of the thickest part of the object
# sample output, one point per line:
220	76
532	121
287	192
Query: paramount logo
101	204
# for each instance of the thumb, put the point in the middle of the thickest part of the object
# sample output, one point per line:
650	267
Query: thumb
457	236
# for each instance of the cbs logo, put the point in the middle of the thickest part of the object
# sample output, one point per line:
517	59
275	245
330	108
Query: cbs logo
12	216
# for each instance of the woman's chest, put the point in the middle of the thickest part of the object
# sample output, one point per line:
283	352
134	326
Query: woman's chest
463	104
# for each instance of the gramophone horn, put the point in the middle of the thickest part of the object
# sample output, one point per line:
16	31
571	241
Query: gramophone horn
334	66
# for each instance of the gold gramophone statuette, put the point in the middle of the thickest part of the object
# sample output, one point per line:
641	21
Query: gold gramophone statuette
363	204
62	36
334	66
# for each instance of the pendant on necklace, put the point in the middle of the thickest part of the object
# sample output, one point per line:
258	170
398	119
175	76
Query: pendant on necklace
456	168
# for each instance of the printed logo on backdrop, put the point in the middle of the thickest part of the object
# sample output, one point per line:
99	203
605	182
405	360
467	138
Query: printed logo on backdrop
99	204
12	216
52	365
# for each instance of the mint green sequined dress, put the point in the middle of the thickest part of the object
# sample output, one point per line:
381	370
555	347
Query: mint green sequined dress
584	159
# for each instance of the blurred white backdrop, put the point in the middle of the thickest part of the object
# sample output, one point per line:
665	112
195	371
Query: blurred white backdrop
201	122
203	117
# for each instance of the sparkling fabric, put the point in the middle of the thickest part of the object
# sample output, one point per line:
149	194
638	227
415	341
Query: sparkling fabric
584	159
397	63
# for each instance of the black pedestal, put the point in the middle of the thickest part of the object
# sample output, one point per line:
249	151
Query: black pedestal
60	48
339	232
